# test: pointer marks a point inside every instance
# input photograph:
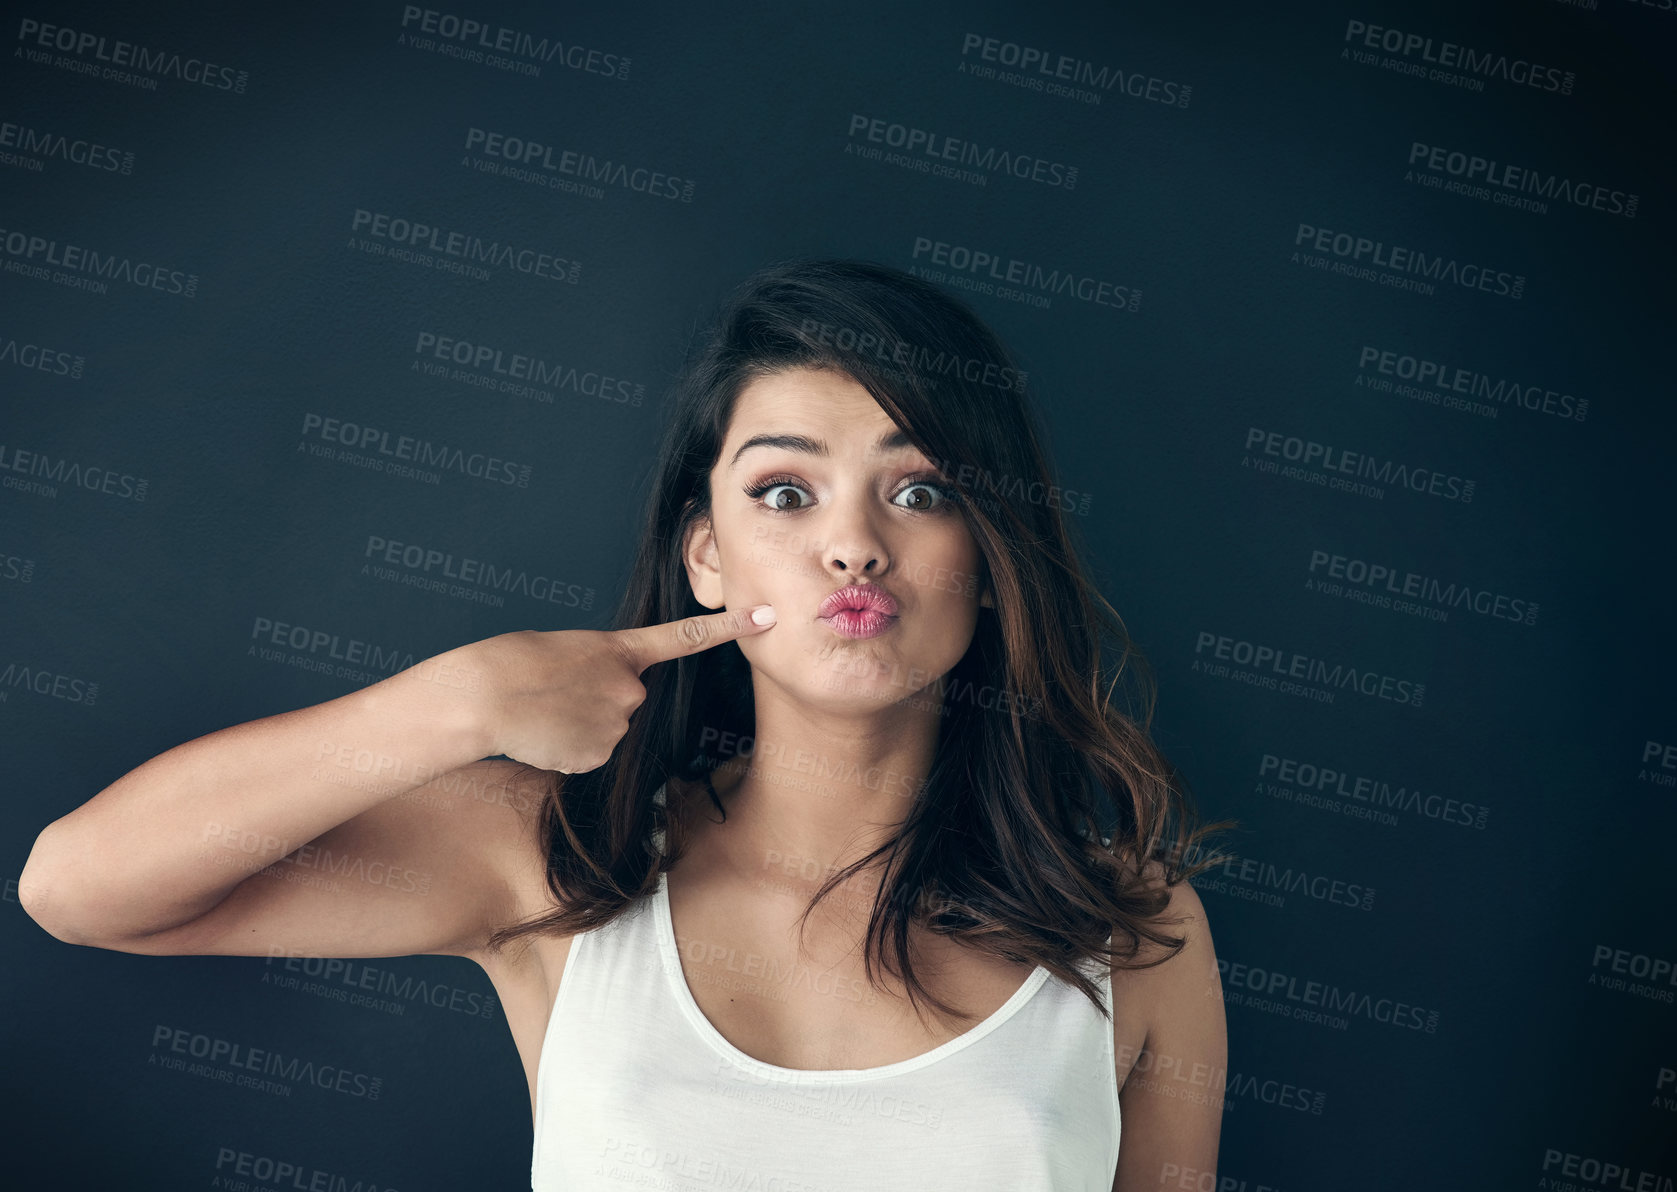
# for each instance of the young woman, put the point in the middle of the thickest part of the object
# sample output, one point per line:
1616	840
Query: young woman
862	882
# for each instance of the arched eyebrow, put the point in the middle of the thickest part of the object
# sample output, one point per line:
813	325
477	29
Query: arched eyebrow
892	440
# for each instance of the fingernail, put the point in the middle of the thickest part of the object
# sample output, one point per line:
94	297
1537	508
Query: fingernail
763	614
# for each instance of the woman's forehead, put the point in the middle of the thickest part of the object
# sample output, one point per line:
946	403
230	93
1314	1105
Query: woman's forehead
828	409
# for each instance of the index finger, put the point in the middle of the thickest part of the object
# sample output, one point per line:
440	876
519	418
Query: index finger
673	639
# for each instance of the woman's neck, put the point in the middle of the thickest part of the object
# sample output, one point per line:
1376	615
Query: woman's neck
814	792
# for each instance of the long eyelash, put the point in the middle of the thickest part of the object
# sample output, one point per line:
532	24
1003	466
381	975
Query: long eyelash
764	485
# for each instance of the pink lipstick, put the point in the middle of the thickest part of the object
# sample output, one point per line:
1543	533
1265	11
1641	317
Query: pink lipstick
859	610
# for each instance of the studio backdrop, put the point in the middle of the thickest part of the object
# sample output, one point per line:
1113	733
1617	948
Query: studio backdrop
334	336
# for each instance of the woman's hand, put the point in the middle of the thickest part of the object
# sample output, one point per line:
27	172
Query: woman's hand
561	699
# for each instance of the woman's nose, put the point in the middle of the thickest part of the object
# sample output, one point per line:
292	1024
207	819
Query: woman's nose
855	546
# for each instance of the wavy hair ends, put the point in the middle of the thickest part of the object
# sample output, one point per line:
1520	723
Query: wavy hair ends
1051	824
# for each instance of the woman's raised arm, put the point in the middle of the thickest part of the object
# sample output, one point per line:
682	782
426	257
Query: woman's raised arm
369	825
363	823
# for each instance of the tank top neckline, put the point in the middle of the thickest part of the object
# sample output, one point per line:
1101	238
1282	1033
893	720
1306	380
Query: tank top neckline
671	955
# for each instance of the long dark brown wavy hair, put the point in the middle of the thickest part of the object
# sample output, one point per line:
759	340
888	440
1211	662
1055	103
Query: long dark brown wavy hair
1061	823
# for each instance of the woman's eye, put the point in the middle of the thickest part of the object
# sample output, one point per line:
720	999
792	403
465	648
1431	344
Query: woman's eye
923	496
785	496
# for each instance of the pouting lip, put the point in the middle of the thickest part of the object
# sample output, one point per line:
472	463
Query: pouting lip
868	596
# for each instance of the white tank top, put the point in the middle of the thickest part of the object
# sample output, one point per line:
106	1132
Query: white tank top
635	1089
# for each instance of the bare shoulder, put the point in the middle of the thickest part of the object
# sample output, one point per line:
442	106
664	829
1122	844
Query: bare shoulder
1176	1003
1184	913
1183	917
1171	1082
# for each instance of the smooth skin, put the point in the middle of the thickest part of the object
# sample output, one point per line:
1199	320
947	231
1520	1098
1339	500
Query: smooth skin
210	848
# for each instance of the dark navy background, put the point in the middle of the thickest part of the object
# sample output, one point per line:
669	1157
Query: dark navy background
1535	931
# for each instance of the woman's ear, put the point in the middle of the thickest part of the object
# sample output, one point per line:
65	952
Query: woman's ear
704	564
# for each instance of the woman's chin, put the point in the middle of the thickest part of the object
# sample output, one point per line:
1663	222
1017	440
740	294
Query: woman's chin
856	677
864	694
